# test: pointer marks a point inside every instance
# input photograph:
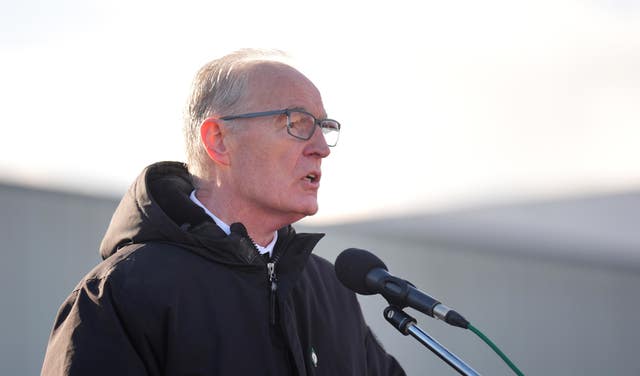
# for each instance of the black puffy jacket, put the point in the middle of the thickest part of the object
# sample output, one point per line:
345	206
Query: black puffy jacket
176	296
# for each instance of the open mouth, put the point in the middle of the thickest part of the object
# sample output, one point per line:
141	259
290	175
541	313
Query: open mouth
312	178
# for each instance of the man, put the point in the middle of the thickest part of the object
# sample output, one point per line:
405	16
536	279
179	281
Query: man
202	272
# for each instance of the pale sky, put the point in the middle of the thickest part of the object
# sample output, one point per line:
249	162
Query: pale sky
443	104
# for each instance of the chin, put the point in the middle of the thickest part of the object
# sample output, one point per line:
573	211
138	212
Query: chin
300	208
307	210
312	212
312	207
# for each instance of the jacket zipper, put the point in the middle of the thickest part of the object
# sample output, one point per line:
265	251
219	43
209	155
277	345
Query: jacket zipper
273	281
273	285
271	272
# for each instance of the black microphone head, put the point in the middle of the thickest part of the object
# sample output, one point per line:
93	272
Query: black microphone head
352	267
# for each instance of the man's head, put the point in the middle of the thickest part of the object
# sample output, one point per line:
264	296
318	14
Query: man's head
261	164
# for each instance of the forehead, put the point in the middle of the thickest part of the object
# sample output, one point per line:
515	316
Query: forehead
275	86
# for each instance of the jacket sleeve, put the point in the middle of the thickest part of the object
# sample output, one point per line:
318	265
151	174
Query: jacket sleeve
378	361
89	338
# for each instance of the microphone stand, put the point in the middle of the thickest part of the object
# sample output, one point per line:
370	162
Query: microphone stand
407	325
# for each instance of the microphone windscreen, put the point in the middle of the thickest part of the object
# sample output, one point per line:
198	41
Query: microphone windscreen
352	267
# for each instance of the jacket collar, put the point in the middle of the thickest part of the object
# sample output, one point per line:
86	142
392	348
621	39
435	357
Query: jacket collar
157	208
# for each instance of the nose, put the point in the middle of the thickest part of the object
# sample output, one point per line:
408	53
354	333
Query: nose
317	145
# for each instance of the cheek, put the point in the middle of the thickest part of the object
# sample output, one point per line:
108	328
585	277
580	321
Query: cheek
263	173
282	162
272	161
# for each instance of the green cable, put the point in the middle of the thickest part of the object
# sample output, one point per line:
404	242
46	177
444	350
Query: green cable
496	349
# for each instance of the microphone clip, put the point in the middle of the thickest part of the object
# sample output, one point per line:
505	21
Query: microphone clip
399	319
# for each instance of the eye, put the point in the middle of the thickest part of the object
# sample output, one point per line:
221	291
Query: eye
330	126
301	122
297	118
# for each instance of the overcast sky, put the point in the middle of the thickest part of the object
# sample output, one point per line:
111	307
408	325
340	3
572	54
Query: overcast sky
443	104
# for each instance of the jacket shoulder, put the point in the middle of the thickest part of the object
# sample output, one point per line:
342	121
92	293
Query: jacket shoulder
321	271
138	258
142	275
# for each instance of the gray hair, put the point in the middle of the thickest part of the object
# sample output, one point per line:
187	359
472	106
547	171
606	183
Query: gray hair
217	88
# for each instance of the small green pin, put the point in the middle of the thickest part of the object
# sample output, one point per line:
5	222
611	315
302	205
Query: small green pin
314	358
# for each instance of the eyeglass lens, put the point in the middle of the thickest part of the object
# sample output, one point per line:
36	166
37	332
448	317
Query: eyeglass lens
303	125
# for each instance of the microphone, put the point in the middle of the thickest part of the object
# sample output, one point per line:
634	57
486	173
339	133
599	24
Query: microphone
364	273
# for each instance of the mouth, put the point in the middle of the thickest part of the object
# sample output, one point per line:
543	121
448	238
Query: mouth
312	177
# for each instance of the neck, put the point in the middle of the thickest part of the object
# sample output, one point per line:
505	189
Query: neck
260	228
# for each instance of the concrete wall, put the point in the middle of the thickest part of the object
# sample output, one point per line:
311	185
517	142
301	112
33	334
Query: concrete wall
49	241
555	283
551	315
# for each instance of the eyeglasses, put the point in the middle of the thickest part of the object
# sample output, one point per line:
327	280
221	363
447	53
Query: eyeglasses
300	124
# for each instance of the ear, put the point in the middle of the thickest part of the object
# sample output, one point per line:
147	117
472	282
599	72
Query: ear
213	140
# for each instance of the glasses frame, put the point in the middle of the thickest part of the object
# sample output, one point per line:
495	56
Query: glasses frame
288	112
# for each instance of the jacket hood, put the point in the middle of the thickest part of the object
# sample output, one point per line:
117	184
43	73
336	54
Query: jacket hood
157	208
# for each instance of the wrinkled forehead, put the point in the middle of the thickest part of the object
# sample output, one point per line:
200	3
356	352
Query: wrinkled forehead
275	86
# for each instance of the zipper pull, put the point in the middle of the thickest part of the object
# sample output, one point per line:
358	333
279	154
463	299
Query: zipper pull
271	270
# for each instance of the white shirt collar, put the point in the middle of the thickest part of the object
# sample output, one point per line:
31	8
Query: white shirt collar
227	230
